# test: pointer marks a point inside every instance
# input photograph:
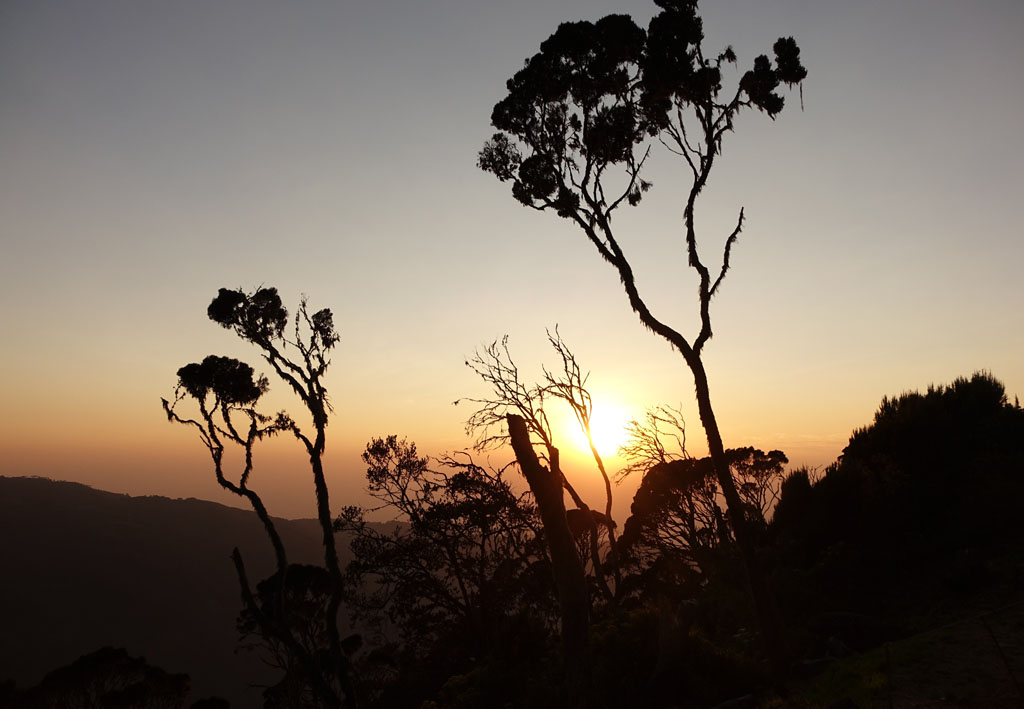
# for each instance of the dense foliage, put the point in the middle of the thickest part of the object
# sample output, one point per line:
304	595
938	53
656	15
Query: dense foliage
677	529
916	508
461	575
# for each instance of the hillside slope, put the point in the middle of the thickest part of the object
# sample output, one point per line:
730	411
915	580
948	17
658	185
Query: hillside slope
83	568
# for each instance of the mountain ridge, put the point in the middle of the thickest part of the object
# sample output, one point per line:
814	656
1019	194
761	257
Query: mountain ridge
85	568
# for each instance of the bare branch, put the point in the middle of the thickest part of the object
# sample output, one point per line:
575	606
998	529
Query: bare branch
728	247
494	364
645	446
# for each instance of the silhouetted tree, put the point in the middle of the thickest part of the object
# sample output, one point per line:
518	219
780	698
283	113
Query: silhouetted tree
575	132
108	678
676	523
570	386
494	364
226	393
940	469
915	514
516	412
461	570
300	601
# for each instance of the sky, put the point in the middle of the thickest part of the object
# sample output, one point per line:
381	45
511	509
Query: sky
153	152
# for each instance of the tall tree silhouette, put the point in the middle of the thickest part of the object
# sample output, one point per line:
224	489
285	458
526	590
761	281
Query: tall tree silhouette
575	132
226	394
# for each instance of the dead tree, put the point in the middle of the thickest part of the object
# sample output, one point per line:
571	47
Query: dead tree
510	395
574	602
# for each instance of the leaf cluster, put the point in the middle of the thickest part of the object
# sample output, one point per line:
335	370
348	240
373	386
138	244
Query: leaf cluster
229	380
596	92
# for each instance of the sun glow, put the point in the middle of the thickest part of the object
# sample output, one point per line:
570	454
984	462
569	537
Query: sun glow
607	428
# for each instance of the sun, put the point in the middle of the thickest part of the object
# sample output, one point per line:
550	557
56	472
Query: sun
608	424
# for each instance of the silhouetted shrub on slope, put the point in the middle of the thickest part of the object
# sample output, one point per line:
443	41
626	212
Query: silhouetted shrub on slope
935	480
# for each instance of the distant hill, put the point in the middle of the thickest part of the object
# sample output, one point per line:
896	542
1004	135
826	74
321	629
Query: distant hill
81	568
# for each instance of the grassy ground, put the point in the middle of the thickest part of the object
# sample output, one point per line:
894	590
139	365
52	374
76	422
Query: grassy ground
974	662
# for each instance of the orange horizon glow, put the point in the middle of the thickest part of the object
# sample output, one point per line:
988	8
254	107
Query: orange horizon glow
155	156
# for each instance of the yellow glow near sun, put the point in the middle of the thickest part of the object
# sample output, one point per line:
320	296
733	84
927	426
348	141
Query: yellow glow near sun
608	428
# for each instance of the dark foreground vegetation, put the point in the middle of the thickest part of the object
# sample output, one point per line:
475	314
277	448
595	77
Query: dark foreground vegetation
913	527
896	572
732	580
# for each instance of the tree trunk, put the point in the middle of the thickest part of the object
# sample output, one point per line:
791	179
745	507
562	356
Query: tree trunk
767	616
334	572
570	581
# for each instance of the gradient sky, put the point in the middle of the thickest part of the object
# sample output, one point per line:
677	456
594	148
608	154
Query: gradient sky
154	151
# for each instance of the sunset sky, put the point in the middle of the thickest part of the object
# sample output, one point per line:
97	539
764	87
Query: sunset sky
155	151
